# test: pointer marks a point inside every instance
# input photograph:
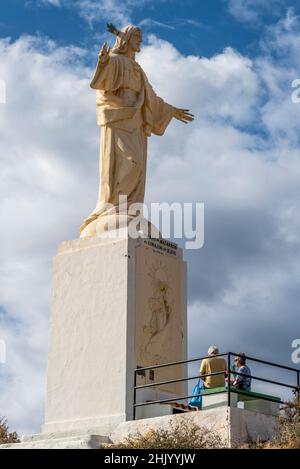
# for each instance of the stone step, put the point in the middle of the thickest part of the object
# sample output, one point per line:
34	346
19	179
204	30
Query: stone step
87	441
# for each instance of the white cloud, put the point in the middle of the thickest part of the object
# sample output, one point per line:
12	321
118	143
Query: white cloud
95	10
248	179
54	3
220	83
149	23
251	10
45	137
111	10
278	69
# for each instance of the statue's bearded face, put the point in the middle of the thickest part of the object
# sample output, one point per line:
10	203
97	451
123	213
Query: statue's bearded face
136	40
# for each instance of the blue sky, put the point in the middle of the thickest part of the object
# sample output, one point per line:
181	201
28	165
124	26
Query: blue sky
194	27
232	62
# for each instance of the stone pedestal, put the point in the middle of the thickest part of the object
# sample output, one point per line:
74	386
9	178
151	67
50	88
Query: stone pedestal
117	304
233	426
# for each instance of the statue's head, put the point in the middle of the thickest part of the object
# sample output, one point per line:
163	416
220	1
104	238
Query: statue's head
136	39
130	38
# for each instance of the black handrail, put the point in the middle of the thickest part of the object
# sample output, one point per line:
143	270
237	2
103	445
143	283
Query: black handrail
228	373
181	362
179	380
264	362
174	399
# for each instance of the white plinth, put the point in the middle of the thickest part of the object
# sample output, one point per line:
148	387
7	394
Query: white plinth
234	426
116	304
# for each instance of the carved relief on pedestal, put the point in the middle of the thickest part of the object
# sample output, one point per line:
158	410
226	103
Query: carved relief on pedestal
160	317
161	307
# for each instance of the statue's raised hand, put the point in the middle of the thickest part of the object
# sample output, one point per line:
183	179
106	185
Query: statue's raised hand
183	115
104	54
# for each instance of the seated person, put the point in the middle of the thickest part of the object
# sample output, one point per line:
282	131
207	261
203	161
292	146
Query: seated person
213	364
242	381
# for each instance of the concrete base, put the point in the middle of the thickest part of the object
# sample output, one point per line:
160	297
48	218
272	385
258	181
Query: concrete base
106	424
116	305
234	426
261	406
72	440
212	401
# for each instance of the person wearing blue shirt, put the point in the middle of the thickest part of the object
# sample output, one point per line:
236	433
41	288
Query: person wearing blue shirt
242	381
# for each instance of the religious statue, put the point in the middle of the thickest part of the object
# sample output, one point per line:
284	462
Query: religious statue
128	112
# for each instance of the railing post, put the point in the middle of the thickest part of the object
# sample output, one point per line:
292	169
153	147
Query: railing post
228	378
134	395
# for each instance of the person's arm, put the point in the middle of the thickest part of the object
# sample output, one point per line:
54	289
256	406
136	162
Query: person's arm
232	374
239	378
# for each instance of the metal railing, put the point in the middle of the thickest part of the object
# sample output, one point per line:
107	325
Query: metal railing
230	389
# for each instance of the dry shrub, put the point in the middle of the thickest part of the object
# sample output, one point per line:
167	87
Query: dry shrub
289	426
5	435
288	434
181	434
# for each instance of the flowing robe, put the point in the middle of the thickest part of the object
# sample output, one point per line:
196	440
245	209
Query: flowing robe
128	111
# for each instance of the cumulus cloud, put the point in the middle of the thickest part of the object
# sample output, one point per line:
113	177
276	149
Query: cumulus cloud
46	135
251	10
279	68
240	157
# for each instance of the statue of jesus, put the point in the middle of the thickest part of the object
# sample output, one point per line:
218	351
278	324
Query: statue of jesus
128	112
